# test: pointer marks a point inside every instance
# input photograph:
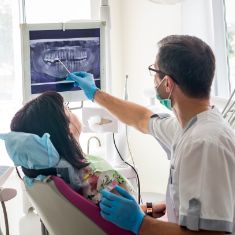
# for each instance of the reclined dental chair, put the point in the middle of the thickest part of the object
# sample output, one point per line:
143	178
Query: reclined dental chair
65	212
62	210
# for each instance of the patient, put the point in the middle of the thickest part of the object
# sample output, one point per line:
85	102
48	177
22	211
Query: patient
48	114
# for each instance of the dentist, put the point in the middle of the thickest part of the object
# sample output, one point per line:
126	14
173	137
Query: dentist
200	197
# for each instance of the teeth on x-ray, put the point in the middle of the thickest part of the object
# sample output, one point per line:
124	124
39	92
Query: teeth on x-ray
65	56
76	55
50	60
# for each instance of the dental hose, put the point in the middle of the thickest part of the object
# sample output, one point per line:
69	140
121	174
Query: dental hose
133	168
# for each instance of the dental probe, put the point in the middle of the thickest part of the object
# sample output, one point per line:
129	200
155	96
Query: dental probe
63	65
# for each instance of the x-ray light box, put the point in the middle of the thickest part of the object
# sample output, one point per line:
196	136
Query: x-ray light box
79	45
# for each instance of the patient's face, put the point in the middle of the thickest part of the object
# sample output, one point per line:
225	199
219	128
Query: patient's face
75	125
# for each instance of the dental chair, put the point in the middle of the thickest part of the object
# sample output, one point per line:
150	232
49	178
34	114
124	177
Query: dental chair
65	212
62	210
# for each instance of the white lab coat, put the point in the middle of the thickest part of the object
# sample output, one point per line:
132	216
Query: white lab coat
201	186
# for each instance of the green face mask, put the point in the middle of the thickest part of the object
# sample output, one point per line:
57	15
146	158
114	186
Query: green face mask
164	102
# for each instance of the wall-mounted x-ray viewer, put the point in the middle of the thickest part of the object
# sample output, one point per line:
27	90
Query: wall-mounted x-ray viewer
80	46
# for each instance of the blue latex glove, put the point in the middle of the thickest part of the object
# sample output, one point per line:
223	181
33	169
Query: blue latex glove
85	81
121	210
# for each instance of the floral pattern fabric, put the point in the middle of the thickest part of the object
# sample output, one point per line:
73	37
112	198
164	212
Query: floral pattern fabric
100	175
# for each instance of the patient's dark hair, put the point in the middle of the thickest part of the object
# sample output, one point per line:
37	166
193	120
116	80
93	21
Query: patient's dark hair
189	61
46	114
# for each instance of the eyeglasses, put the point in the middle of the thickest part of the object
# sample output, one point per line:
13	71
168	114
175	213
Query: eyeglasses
153	72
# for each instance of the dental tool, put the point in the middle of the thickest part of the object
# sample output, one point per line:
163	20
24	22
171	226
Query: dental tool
58	60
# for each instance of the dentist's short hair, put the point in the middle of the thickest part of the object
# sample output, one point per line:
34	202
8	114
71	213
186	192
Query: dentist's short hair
190	61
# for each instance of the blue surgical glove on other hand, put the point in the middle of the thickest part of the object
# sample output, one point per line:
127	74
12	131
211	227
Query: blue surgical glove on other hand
122	210
85	81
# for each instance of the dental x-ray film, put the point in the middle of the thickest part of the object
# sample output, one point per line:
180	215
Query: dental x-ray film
77	49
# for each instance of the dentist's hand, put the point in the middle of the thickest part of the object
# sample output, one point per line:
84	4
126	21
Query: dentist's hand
85	81
121	210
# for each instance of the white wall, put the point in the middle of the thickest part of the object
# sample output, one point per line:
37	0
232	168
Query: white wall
116	38
137	26
210	28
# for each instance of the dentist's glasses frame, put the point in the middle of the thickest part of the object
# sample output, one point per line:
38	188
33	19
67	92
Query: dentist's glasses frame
153	72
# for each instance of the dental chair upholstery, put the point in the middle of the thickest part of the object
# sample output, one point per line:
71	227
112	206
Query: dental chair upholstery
65	212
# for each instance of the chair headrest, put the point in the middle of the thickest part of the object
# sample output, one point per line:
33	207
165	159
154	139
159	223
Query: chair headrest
30	151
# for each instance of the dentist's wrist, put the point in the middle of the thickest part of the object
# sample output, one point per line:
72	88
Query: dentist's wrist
94	91
147	208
